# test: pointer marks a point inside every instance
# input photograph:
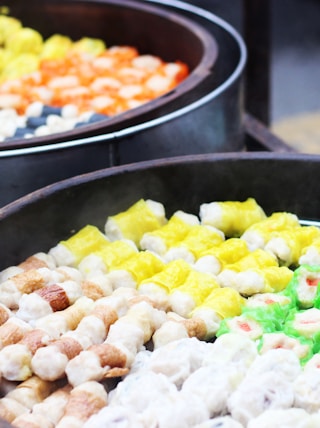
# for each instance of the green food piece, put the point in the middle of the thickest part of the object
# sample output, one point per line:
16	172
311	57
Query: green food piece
304	287
260	318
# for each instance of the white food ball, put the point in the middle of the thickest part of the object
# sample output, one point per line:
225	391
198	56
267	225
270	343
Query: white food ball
34	109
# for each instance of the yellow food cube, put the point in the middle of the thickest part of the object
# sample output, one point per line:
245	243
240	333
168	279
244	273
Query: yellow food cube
86	241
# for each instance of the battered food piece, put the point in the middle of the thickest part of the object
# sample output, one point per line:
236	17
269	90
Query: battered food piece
5	314
177	327
288	245
267	279
221	303
232	348
58	323
36	261
47	300
153	402
178	359
32	391
111	256
84	401
71	251
22	399
170	330
96	285
91	330
247	275
310	255
159	286
216	258
254	396
34	277
232	217
178	411
52	407
192	292
279	361
92	264
116	354
214	394
139	390
15	359
174	231
142	217
135	270
258	234
254	259
12	331
67	273
199	239
13	288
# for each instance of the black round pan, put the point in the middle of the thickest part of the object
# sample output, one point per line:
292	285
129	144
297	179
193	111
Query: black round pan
279	182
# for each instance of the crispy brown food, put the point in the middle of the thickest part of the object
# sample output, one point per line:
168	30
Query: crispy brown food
32	391
4	315
195	328
56	296
11	333
106	314
34	340
109	355
32	262
92	290
28	281
84	403
68	346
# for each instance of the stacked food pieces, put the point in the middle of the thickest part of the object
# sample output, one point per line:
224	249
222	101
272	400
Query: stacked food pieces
165	320
58	84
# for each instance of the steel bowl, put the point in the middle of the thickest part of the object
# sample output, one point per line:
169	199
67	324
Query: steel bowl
202	115
38	221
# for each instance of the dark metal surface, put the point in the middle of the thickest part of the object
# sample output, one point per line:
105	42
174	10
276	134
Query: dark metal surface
260	138
257	35
279	182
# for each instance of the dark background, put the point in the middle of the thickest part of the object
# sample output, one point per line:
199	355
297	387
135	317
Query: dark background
295	51
293	76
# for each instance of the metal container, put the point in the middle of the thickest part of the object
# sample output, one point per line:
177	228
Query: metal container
279	182
203	115
38	221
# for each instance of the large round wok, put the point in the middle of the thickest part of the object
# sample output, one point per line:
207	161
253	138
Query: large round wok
203	115
39	220
278	181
